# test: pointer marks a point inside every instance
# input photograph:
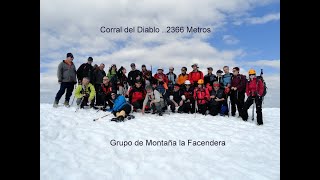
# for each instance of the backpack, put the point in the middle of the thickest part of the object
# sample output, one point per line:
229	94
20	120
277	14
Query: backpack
264	84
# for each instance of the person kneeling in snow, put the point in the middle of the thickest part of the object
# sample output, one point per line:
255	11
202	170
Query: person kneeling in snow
121	108
137	95
218	101
176	99
154	100
85	93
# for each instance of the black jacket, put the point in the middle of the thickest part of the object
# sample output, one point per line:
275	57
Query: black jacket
133	75
98	76
209	79
177	96
85	70
219	94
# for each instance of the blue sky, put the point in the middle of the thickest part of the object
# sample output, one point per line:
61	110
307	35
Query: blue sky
246	33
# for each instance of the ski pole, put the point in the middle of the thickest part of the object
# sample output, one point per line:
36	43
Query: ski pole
101	117
195	108
253	109
79	104
74	94
228	105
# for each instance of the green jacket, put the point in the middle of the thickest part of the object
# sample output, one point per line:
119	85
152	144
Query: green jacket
113	73
87	89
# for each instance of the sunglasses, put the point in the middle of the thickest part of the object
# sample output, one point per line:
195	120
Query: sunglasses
105	79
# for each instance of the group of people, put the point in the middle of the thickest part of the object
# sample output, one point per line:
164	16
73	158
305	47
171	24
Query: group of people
143	92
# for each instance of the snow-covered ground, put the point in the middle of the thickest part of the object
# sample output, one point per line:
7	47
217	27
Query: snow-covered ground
74	147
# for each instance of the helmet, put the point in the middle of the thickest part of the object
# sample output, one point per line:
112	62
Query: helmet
252	71
200	81
187	82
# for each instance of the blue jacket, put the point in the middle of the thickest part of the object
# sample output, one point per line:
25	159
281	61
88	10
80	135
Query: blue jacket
119	102
226	79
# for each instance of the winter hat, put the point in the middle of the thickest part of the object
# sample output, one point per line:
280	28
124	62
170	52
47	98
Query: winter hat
143	65
177	85
210	68
216	84
219	71
132	64
90	59
195	64
69	55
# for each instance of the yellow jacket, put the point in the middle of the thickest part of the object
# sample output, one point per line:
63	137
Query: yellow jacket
89	89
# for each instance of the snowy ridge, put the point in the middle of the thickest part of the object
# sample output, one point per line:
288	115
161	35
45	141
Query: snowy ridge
74	147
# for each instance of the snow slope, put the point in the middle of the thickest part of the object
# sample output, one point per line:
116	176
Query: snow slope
74	147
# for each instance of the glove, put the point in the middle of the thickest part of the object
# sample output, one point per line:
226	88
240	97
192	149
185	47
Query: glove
183	97
171	97
86	95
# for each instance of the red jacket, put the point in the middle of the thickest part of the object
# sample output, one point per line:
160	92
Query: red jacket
136	94
161	76
195	76
253	87
201	95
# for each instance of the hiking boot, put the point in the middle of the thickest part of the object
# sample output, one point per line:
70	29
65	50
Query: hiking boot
120	118
160	113
55	104
66	103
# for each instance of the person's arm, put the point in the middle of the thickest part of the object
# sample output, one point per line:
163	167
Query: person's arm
201	75
79	72
77	92
92	93
247	90
59	72
260	88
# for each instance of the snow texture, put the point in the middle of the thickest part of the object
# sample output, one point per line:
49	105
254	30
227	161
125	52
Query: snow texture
74	147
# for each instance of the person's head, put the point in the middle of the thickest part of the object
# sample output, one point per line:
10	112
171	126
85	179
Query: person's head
187	83
235	71
210	70
252	73
160	70
95	66
105	80
184	70
171	69
101	67
133	66
69	56
138	84
113	94
176	88
216	85
143	67
85	81
226	69
114	67
200	83
195	67
148	89
124	71
219	73
90	60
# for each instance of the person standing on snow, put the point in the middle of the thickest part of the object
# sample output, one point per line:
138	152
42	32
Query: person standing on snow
238	88
183	76
85	70
112	71
134	75
171	79
254	91
195	75
67	79
209	79
98	75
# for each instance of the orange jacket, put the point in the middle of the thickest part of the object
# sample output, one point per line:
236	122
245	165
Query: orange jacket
182	78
